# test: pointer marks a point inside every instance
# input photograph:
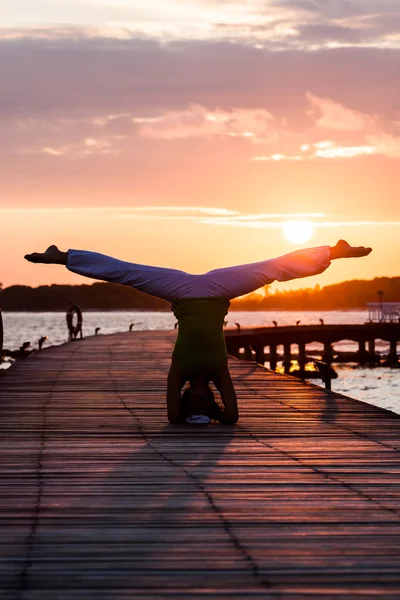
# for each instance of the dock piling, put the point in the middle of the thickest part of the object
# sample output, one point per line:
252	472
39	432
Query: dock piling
287	357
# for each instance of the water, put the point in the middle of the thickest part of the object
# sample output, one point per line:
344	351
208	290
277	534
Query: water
379	386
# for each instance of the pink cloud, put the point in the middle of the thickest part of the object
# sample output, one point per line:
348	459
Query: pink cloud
171	122
333	115
386	144
344	151
198	121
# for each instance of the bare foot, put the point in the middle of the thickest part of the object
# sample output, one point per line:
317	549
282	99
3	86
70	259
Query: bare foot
344	250
52	256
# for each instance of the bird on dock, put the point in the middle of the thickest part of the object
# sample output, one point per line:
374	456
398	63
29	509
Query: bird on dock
96	331
131	326
298	323
238	326
275	323
321	321
42	341
225	323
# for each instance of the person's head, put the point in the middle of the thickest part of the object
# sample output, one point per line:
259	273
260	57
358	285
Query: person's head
198	398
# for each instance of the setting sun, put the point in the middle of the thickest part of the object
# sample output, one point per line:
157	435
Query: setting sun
297	232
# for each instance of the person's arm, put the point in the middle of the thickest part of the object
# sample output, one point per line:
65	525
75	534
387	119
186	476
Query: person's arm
175	383
223	383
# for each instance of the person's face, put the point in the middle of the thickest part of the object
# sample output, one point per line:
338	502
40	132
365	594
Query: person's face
201	403
199	384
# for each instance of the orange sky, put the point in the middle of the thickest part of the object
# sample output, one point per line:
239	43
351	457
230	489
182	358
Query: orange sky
119	125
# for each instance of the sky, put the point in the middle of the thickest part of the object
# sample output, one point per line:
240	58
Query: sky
186	133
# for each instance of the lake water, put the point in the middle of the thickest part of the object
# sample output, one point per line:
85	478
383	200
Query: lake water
379	386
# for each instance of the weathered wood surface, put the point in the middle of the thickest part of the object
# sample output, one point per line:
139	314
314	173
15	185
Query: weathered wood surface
101	498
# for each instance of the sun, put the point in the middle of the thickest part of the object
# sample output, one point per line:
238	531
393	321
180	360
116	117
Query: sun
297	232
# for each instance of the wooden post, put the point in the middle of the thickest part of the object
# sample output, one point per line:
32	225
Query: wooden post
362	353
248	353
327	356
371	348
259	350
237	352
302	358
373	357
287	357
272	357
392	358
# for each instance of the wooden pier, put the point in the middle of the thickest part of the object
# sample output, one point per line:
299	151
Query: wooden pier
102	498
253	341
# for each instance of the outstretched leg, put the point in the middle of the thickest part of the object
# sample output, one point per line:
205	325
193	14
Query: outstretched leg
240	280
167	284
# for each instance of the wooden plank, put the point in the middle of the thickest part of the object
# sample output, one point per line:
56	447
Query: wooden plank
101	497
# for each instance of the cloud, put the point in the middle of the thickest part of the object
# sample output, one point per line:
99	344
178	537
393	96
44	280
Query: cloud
257	222
87	147
198	121
276	24
352	133
82	77
176	117
341	9
342	23
214	216
333	115
174	212
276	158
386	144
344	152
331	150
322	33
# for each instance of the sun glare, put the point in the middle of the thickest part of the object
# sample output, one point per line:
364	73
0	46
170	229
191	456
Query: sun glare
297	232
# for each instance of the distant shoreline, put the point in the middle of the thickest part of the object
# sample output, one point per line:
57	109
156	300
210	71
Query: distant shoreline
351	295
234	309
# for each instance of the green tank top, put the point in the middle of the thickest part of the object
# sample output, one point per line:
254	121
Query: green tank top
200	342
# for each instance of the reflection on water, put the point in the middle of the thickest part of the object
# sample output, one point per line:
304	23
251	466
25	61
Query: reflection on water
379	386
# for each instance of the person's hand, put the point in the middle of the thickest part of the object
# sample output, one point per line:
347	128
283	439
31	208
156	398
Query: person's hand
52	256
344	250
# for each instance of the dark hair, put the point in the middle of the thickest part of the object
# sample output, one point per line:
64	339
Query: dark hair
205	402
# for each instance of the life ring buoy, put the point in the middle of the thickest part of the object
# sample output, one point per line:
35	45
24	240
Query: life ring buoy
72	311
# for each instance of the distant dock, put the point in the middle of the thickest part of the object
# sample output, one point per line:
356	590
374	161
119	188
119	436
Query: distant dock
102	498
250	343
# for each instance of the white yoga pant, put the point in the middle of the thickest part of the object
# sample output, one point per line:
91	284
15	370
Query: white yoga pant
171	284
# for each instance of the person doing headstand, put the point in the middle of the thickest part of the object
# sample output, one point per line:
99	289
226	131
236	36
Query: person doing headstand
200	304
